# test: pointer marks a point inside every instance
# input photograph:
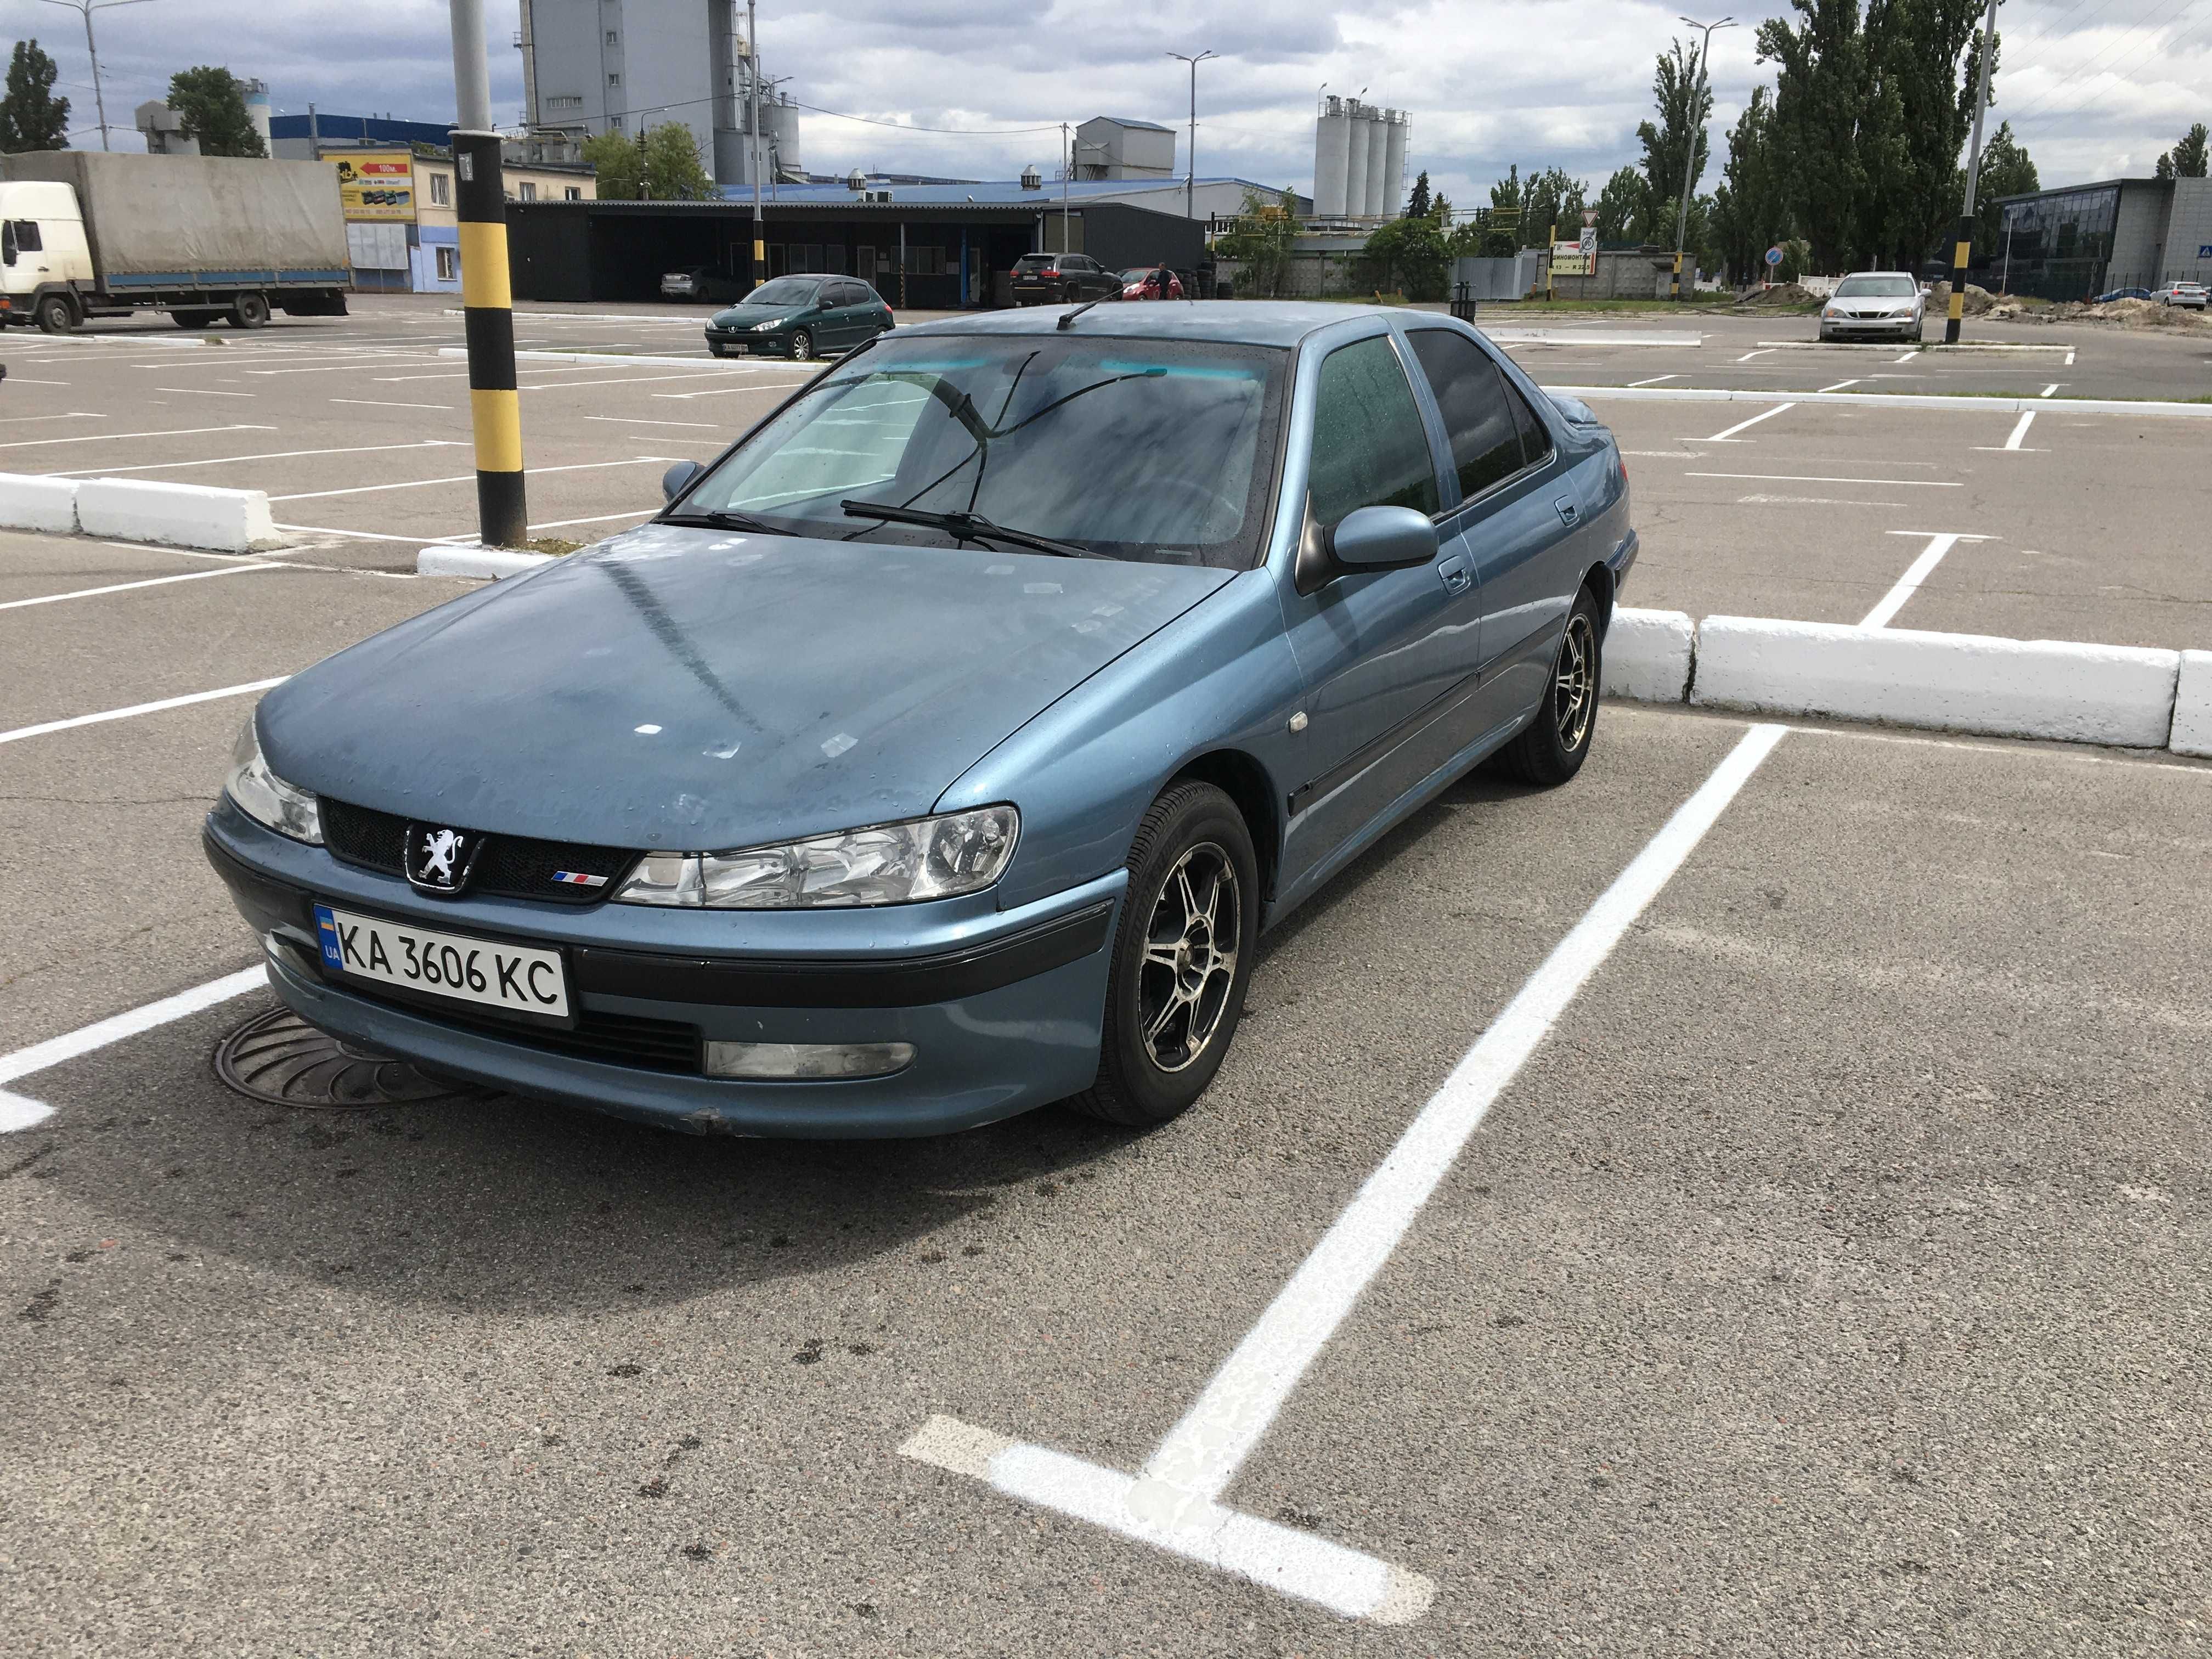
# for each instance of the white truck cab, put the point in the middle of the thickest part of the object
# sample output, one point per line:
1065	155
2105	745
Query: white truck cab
42	242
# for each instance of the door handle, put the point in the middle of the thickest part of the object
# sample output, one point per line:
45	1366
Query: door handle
1569	512
1457	578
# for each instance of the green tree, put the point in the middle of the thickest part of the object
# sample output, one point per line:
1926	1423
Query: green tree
1549	199
673	171
30	117
1418	203
1685	101
617	166
2163	167
2006	170
1925	58
1820	97
1265	233
2188	156
1750	212
1620	206
210	106
1409	255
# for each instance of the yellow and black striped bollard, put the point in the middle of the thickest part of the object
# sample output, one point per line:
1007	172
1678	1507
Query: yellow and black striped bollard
488	302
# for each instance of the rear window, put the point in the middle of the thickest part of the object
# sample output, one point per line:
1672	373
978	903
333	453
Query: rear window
1035	261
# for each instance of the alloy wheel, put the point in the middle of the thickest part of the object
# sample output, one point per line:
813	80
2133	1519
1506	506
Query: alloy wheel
1575	681
1189	964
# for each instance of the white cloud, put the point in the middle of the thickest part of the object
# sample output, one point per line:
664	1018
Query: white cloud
1539	82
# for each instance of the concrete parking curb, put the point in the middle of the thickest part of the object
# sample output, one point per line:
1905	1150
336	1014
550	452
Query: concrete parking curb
1679	394
28	503
472	560
176	514
2192	706
1648	654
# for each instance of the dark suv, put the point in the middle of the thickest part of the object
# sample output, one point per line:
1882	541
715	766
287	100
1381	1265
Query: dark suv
1050	279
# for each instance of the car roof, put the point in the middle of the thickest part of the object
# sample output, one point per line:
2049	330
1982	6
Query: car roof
1234	322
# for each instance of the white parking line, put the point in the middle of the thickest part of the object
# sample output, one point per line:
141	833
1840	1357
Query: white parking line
379	403
1174	1503
470	477
205	391
1655	379
17	420
1839	385
724	391
270	455
1910	356
1939	544
2019	431
1817	477
19	1112
704	426
1748	355
116	437
1729	435
136	708
2052	387
151	581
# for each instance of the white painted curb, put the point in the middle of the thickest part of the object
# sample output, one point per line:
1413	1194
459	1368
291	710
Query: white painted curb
475	560
2192	706
1957	406
176	514
28	503
1648	654
2122	695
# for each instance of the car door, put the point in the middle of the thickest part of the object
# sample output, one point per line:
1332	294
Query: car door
1384	652
1515	505
844	318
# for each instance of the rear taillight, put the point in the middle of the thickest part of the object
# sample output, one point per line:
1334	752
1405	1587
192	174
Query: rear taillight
1054	272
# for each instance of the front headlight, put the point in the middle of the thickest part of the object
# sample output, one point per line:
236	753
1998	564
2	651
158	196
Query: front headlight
772	323
1828	311
264	797
885	864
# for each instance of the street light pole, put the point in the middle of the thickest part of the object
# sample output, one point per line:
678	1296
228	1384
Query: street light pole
1697	138
487	298
1190	162
753	153
1965	249
92	50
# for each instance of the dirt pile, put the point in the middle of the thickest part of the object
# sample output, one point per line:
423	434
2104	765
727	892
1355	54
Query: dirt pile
1978	301
1780	296
2137	315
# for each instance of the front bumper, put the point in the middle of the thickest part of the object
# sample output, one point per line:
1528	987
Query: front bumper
1003	1010
746	343
1907	326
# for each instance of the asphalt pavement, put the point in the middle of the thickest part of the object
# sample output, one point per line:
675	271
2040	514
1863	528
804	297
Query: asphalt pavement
1824	1281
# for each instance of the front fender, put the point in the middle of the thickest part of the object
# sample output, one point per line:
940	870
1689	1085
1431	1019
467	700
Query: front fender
1084	770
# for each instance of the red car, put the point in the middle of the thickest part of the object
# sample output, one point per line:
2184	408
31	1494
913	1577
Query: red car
1143	283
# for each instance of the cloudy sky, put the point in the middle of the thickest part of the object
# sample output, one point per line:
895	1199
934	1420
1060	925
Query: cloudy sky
2097	88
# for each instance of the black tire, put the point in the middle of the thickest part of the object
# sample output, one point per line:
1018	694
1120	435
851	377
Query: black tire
1552	747
802	345
194	319
55	314
249	311
1191	860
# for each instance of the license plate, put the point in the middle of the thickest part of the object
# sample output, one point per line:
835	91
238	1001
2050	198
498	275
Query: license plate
459	967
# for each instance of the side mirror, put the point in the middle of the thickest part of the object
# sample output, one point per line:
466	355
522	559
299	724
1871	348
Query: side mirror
678	478
1384	538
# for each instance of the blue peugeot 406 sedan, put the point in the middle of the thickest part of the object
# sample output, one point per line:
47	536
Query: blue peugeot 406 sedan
944	748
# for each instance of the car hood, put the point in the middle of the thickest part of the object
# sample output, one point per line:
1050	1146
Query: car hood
690	689
744	316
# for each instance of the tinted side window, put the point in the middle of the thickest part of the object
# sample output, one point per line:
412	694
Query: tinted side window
1369	448
28	239
1485	444
1535	439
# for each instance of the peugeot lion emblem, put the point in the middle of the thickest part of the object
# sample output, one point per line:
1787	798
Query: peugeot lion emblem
438	859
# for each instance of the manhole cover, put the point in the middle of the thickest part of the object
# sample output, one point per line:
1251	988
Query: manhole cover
278	1057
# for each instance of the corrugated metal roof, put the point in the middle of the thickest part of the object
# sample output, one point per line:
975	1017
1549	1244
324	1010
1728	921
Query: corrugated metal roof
1137	126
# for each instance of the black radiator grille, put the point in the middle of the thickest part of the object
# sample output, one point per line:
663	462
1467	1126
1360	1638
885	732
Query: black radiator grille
651	1045
510	867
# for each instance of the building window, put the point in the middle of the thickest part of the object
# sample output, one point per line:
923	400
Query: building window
613	39
449	264
572	193
616	124
614	80
442	189
529	191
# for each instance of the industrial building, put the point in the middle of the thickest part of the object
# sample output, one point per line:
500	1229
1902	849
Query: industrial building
2080	240
932	255
1359	159
1220	197
594	66
1107	147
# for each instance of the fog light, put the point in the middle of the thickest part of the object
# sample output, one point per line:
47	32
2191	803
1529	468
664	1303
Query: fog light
785	1062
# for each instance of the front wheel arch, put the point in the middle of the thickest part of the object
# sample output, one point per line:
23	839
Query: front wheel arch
1246	782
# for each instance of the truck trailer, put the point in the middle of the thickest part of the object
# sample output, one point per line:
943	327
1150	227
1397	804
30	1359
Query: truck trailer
201	237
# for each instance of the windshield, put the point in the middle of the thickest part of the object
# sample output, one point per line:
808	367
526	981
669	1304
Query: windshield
1876	287
784	291
1153	450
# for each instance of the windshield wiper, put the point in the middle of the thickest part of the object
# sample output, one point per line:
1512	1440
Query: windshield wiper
720	519
969	527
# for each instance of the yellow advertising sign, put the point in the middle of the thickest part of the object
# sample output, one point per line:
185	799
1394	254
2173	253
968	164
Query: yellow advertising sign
1576	264
376	183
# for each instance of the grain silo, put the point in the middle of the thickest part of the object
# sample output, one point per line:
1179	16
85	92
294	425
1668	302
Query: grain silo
1332	158
1382	202
1361	120
1393	163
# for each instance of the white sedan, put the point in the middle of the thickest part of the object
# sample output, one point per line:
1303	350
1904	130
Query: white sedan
1874	304
2182	294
